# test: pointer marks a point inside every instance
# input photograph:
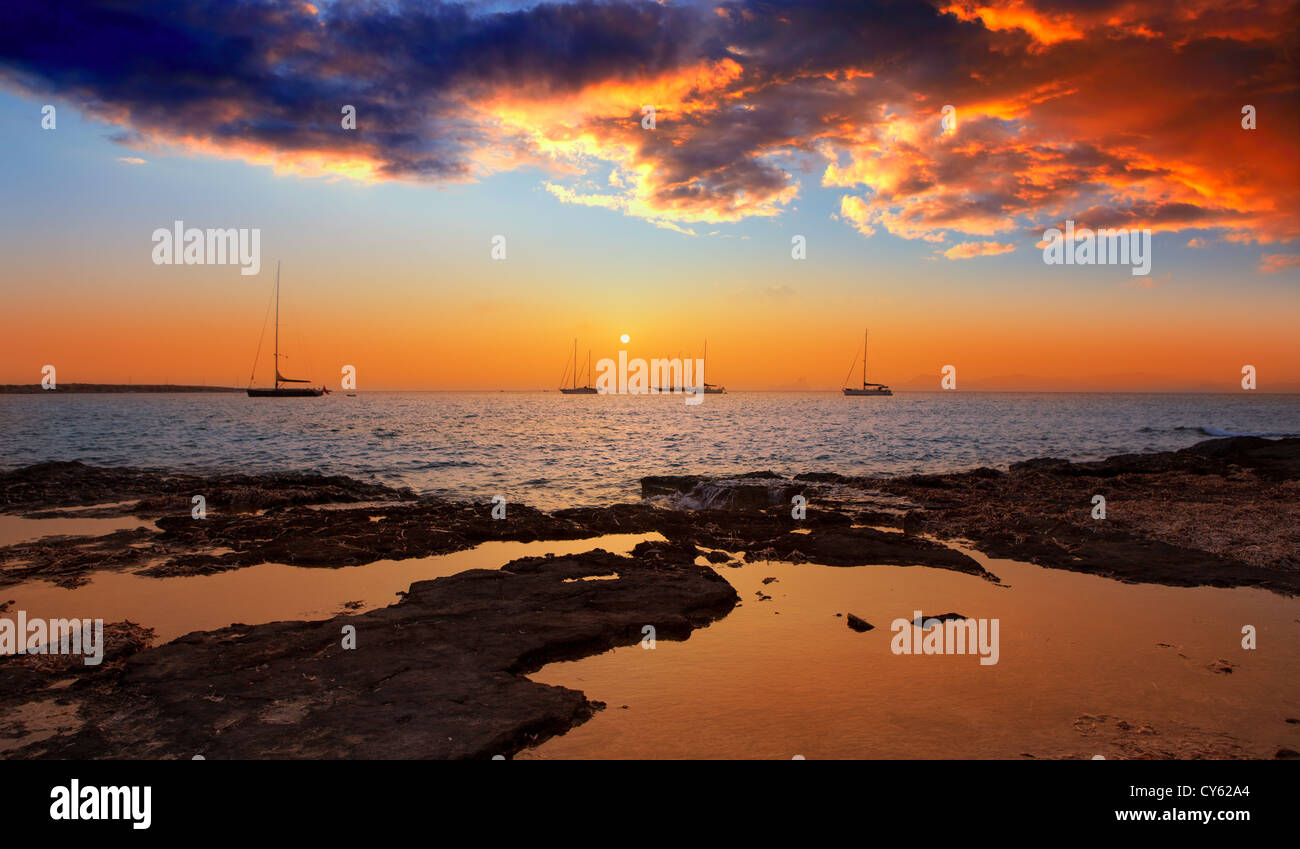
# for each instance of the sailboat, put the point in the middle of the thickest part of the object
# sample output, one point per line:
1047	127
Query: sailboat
710	388
575	389
867	388
282	391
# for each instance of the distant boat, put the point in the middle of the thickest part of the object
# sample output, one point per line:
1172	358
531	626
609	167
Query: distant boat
711	388
279	391
575	389
867	388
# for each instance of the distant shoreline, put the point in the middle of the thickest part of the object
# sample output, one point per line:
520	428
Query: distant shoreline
66	388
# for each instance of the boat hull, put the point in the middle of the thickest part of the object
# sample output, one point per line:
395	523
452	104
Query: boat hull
868	392
285	393
581	390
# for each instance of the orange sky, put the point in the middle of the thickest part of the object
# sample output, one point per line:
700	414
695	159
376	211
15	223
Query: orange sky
825	124
1118	338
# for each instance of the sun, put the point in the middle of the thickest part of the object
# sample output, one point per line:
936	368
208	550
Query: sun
624	338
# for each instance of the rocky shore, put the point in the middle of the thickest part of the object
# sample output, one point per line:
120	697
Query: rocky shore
441	673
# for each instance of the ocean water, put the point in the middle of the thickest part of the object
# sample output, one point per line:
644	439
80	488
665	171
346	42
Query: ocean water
553	451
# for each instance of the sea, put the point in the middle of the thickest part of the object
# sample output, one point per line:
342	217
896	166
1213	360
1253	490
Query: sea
553	451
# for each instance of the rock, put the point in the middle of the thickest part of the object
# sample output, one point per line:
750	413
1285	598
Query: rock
157	493
439	674
294	532
668	484
942	617
1220	513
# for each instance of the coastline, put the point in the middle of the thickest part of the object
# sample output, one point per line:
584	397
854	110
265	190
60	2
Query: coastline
453	652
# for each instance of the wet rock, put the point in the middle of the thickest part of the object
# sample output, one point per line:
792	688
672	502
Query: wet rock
737	495
866	546
653	485
158	493
672	551
298	535
1222	513
942	617
820	477
68	561
439	674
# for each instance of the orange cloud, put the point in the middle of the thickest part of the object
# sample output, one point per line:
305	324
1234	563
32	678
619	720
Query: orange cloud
1016	14
966	250
1273	263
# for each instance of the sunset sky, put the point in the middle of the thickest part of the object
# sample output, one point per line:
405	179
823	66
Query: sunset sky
772	120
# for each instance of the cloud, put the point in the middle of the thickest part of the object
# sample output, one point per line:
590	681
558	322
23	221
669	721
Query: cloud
1273	263
131	160
966	250
1106	111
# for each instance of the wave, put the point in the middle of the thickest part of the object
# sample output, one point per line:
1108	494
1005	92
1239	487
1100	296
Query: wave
424	466
1218	432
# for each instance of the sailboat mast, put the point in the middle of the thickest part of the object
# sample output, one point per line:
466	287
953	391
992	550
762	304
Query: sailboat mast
863	359
575	362
276	361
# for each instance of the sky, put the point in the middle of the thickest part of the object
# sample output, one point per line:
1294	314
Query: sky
772	121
